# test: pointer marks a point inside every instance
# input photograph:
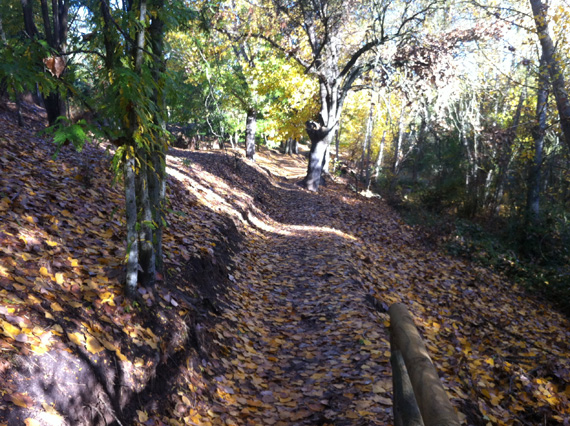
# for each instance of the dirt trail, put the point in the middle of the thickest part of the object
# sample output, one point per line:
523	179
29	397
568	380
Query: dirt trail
311	348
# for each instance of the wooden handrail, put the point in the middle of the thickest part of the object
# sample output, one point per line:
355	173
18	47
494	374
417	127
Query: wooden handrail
416	382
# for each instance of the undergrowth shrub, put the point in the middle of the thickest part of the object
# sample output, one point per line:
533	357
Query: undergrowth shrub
535	256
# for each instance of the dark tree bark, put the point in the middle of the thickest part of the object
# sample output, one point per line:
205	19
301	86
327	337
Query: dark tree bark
55	28
250	128
29	25
554	68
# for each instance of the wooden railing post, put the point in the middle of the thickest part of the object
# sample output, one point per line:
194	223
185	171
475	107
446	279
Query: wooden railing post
432	400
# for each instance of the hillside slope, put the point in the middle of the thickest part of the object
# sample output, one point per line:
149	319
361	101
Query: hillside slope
272	310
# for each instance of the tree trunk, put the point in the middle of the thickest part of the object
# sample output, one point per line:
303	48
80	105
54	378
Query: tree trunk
396	164
551	59
2	33
380	156
320	141
132	235
326	160
506	154
55	107
337	146
29	25
294	146
250	127
287	146
533	190
18	108
147	259
365	158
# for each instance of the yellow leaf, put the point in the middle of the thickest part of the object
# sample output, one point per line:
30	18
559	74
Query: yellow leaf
9	329
51	243
77	338
44	271
56	307
93	345
31	422
490	361
51	410
34	299
30	219
21	400
21	280
108	345
108	297
39	350
143	417
66	213
59	277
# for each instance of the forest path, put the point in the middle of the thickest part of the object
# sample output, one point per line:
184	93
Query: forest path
305	346
311	349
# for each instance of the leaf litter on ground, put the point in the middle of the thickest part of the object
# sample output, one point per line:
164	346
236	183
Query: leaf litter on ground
298	334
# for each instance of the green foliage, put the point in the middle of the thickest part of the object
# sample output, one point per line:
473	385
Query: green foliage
19	68
64	132
536	256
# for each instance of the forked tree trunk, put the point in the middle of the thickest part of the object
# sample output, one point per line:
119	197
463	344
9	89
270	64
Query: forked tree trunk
250	128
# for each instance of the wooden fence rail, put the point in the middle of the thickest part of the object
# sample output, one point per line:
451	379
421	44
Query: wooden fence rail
419	397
